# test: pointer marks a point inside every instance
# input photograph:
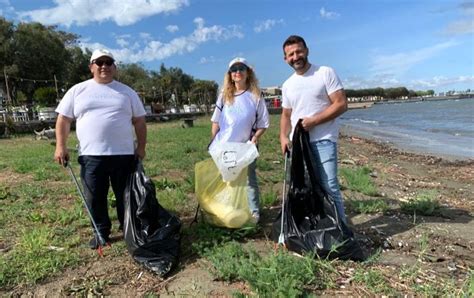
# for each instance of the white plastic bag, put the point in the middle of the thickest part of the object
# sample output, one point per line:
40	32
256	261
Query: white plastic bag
231	158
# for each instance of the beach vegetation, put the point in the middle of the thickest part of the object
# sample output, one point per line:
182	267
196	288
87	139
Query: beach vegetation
368	206
268	198
273	275
424	203
373	280
358	179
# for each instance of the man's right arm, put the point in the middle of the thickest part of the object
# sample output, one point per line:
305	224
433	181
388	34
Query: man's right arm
285	128
63	127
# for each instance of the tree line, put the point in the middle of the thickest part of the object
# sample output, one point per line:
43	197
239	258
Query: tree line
40	63
386	93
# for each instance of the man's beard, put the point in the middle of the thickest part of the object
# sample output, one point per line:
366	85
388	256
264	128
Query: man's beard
300	66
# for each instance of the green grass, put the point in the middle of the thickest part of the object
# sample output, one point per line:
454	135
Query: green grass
37	254
205	236
367	206
272	275
373	280
269	198
424	203
358	179
469	286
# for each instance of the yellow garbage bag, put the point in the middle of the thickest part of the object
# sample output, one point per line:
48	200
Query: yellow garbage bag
224	204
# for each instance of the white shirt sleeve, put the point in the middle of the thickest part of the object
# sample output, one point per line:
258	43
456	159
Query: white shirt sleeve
263	120
217	110
137	106
66	105
333	83
285	102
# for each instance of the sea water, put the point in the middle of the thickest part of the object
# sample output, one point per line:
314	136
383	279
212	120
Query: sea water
443	128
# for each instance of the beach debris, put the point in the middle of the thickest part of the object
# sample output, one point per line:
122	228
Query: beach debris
348	162
387	244
55	248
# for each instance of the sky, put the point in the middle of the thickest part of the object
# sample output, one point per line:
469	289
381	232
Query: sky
419	44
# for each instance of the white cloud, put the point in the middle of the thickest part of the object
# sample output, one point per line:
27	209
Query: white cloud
441	81
460	27
373	82
206	60
172	28
122	42
145	36
6	8
437	82
398	63
157	50
465	23
83	12
330	15
266	25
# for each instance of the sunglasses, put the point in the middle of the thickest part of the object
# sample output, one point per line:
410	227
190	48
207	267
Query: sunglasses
107	62
236	68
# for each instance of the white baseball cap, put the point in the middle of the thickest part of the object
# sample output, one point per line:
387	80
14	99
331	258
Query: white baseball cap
101	53
239	60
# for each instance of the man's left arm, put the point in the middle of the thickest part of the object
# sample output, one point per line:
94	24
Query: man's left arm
140	130
337	107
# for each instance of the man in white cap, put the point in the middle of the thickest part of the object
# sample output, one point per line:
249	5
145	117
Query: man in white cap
108	114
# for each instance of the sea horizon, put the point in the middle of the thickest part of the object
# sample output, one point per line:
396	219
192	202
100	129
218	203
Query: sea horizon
442	128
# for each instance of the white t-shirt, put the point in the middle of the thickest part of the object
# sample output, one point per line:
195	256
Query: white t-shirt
307	95
237	120
103	114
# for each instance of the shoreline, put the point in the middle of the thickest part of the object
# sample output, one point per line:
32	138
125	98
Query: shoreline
347	132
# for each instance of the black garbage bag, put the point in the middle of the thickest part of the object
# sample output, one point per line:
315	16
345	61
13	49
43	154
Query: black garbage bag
151	233
310	220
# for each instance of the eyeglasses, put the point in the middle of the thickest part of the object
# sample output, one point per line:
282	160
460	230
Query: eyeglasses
107	62
239	67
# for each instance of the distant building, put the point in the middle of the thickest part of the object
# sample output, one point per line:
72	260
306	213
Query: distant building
269	91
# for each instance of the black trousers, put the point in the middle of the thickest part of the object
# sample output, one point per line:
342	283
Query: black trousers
97	174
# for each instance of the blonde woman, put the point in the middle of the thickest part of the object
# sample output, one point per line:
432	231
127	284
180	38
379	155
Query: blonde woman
241	115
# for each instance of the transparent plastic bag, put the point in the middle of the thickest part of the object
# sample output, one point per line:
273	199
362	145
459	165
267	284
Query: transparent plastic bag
224	204
232	157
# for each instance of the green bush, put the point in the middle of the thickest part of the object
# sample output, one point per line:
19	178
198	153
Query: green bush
45	96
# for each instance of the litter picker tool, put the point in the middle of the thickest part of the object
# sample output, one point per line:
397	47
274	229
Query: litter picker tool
100	240
281	238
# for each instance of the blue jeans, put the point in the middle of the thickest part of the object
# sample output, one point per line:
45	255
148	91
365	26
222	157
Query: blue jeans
253	191
325	153
97	173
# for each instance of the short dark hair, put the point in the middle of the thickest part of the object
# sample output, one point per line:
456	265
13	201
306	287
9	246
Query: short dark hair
292	39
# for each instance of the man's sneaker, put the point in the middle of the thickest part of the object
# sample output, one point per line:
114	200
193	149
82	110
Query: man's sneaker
94	242
255	217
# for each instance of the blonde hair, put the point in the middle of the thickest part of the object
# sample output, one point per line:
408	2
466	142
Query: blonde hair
228	90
